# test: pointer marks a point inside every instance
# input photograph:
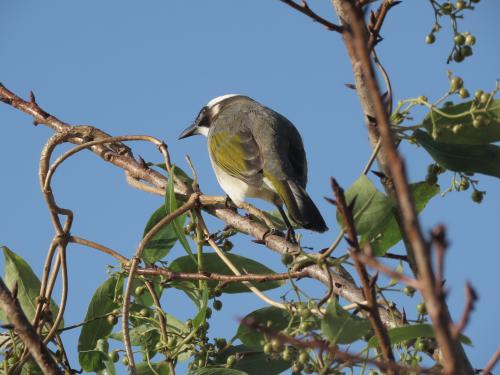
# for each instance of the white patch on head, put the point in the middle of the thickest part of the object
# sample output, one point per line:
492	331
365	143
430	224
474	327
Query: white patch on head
203	130
219	99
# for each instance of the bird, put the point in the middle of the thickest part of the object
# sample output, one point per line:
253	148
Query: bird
257	153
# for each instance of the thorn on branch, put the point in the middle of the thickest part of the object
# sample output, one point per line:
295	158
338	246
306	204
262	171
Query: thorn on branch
304	8
350	86
32	98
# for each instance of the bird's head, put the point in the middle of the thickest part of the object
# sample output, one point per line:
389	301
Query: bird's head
207	114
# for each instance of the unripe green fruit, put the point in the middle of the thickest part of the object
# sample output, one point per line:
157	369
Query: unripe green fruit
457	129
477	196
373	372
478	94
479	121
464	93
305	312
139	290
429	39
286	354
303	358
470	40
171	341
485	97
433	168
457	57
466	51
446	8
144	312
227	246
464	184
459	39
125	361
421	309
459	5
230	361
208	313
217	305
287	259
409	291
276	345
422	98
268	348
114	356
220	343
456	83
189	323
112	319
421	345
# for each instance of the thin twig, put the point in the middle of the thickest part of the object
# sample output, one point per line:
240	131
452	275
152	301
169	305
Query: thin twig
11	308
368	285
491	363
304	8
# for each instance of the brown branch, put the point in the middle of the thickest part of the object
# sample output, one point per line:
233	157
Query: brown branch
454	359
303	8
209	276
120	156
471	298
23	328
377	20
491	363
339	355
133	268
367	283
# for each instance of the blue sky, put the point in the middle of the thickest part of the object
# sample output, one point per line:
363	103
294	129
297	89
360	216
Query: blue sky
132	67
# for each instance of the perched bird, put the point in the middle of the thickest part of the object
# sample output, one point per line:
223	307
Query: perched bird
256	152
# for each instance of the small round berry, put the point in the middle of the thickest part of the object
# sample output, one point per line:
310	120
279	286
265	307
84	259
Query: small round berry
139	290
208	313
421	345
217	305
268	349
446	8
470	40
114	356
276	345
230	361
421	309
303	357
125	361
433	168
459	39
144	312
422	98
373	372
477	196
460	4
429	39
286	354
456	83
409	291
478	94
457	57
220	343
485	97
479	121
464	184
463	92
287	259
466	51
456	129
112	319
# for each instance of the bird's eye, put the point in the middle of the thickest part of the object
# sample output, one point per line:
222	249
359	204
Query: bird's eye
202	118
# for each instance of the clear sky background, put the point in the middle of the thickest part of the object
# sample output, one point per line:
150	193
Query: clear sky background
132	67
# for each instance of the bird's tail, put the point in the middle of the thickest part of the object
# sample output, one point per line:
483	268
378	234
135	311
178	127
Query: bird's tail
300	206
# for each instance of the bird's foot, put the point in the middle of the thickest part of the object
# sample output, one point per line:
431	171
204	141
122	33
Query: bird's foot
272	232
290	236
228	203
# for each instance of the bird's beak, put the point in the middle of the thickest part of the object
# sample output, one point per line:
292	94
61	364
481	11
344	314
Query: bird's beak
189	131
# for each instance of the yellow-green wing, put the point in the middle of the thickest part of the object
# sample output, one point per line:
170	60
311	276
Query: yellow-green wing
238	155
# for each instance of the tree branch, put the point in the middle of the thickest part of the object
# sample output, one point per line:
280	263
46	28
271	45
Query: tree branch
303	8
11	308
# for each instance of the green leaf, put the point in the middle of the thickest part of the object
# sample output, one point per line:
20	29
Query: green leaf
468	134
219	371
466	158
389	234
145	298
101	304
17	271
411	332
109	366
279	319
371	207
162	242
213	264
252	362
145	368
178	171
177	223
340	327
